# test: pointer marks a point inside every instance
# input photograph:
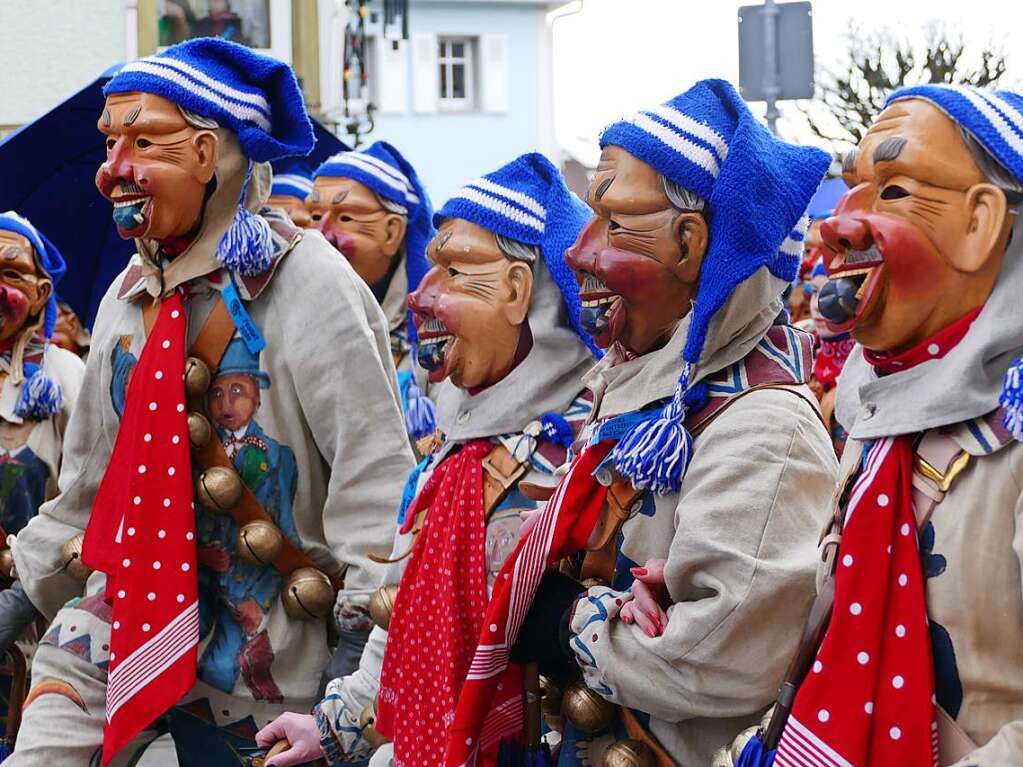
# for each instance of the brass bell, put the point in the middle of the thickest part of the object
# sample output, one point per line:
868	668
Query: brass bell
199	430
219	489
367	722
260	543
6	563
550	704
629	753
197	377
381	605
586	709
71	555
307	594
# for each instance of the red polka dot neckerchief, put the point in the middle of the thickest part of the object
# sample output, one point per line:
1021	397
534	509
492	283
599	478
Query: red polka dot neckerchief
869	697
142	535
439	611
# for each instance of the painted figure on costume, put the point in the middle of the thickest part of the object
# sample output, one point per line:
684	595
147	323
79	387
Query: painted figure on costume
372	207
497	322
242	497
39	385
924	269
689	518
235	595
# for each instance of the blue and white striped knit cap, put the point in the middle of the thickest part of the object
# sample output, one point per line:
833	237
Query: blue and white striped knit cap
40	395
254	96
995	120
293	177
527	200
757	188
383	169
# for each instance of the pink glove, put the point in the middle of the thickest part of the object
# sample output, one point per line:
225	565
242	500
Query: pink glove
300	731
648	591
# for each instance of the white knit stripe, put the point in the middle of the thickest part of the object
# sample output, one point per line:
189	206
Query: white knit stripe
152	658
524	200
793	246
248	97
821	750
292	179
500	207
393	172
996	120
1008	110
691	151
238	111
357	160
687	124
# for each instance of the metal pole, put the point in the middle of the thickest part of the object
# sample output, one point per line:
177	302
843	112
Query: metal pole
771	89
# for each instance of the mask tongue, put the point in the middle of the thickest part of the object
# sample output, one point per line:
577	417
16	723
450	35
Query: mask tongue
129	216
837	301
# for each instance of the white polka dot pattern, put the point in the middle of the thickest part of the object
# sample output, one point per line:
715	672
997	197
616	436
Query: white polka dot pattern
147	491
871	700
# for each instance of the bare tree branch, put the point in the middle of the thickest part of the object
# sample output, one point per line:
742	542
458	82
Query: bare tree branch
848	101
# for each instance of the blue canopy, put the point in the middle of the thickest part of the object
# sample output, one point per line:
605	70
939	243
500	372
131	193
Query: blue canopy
47	174
824	200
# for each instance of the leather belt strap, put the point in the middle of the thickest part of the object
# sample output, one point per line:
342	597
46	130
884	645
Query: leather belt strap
602	555
501	470
937	463
209	346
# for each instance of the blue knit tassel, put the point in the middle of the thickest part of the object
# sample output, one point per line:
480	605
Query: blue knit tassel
420	413
40	397
1012	399
247	245
655	454
556	430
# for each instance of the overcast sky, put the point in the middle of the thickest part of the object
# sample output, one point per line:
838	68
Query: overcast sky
619	55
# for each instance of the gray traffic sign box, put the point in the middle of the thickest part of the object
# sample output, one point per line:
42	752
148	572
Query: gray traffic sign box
792	42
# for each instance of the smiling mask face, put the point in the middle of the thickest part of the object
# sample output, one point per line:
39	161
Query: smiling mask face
638	259
918	240
354	221
471	307
157	167
24	286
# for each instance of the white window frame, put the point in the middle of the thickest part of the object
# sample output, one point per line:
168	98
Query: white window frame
446	102
280	30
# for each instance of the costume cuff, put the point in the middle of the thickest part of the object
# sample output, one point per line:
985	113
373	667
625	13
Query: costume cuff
589	627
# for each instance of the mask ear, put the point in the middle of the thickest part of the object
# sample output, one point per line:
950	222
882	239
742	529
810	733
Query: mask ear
207	151
395	227
519	286
45	287
986	228
689	230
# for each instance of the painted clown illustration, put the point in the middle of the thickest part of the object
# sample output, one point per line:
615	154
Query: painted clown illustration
235	596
